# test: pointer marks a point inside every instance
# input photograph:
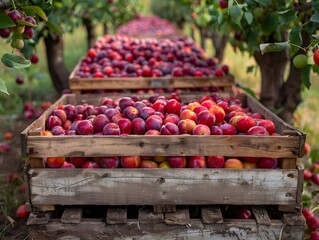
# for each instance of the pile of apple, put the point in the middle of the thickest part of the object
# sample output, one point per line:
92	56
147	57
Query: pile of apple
147	25
211	115
123	56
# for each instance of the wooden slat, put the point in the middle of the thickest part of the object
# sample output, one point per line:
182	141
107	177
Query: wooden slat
180	217
181	186
72	215
178	145
293	219
233	230
38	218
116	215
146	216
164	208
261	215
39	124
288	163
211	214
149	82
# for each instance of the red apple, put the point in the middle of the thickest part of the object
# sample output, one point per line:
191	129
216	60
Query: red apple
268	125
197	162
55	162
177	161
131	161
22	212
110	162
215	161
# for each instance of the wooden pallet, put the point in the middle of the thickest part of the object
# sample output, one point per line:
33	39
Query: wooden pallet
194	222
76	84
48	187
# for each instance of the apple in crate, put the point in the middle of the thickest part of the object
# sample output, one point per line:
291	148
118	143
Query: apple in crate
270	163
197	162
215	161
110	162
78	161
148	164
68	165
131	161
234	163
55	162
90	164
164	164
177	161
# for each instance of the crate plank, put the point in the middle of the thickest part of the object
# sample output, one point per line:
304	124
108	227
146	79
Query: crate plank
178	145
38	218
72	215
180	217
164	208
146	216
163	186
116	215
261	215
233	230
149	82
211	214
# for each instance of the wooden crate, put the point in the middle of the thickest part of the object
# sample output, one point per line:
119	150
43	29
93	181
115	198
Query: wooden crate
76	84
113	223
281	187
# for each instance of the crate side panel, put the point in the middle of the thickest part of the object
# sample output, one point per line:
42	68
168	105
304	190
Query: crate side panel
168	186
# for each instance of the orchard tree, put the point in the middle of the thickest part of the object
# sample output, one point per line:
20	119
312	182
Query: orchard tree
18	23
274	33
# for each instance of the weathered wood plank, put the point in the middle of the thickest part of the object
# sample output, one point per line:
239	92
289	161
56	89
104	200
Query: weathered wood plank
293	219
178	145
233	230
146	186
261	215
288	163
146	216
72	215
164	208
211	214
149	82
180	217
38	218
116	215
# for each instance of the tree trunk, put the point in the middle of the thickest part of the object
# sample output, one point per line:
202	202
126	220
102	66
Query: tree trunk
290	92
57	69
272	67
220	42
90	33
105	29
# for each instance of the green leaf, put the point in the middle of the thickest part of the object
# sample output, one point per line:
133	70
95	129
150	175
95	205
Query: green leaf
15	61
54	27
250	92
236	14
269	24
295	38
249	17
272	47
315	68
25	23
6	21
305	75
250	69
3	87
315	17
38	11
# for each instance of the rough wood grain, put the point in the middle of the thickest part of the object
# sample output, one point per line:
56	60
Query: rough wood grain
293	219
288	163
178	145
163	186
261	215
116	215
233	230
38	218
149	82
211	214
146	216
164	208
180	217
72	215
